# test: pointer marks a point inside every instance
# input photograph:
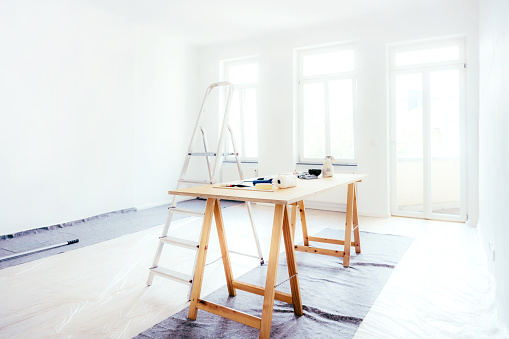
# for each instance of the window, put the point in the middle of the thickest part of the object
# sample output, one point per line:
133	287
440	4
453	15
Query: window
243	74
327	103
427	54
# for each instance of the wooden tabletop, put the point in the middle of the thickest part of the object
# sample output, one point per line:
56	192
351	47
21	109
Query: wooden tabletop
304	189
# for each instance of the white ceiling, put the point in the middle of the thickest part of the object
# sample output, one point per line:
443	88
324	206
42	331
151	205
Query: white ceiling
215	21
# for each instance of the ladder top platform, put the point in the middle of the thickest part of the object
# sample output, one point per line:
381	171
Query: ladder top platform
304	189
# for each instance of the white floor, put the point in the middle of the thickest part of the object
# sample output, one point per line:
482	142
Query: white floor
440	288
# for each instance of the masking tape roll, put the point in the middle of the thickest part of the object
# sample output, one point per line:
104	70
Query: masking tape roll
285	181
263	186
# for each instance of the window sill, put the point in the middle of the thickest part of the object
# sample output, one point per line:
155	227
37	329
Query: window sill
350	166
226	161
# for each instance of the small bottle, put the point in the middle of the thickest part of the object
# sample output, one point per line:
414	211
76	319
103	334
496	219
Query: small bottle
328	169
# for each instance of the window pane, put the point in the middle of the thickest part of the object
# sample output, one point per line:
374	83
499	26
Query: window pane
425	56
328	63
314	121
409	142
243	73
234	120
250	123
445	142
341	118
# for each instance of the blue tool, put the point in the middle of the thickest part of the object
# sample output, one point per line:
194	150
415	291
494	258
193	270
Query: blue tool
268	181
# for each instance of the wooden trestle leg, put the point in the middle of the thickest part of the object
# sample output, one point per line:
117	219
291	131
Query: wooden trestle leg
292	264
351	224
224	249
281	225
303	222
270	282
348	225
293	219
202	257
356	234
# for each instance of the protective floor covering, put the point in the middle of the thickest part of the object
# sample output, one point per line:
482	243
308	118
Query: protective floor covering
89	231
335	299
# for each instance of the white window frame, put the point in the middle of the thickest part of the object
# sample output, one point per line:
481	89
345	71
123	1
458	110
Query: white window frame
324	79
425	69
225	66
431	43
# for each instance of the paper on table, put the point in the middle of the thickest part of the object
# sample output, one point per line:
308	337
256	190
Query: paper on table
251	188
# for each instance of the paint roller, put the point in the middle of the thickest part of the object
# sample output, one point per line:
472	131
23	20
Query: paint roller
70	242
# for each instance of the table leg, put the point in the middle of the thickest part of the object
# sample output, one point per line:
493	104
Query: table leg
292	265
348	224
202	257
270	282
293	220
356	234
303	222
224	248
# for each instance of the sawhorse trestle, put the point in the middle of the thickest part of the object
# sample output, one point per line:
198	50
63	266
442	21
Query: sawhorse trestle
352	223
281	225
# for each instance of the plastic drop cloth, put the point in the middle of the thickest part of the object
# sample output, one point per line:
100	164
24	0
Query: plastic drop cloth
100	290
439	289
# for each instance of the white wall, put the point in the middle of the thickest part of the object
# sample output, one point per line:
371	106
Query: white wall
493	143
167	103
96	111
83	116
372	33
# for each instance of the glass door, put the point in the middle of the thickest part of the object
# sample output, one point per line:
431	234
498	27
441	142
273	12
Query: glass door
428	167
445	170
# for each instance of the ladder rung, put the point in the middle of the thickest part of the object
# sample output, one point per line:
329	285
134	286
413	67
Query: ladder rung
180	242
171	274
209	154
186	211
197	182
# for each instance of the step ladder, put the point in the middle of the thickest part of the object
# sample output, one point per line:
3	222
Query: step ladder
213	172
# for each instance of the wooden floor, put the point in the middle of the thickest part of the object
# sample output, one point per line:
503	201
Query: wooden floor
441	287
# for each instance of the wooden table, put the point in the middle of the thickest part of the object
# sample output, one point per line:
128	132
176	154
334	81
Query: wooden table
284	222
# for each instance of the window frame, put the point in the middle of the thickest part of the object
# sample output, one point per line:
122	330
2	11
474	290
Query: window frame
302	80
225	66
414	46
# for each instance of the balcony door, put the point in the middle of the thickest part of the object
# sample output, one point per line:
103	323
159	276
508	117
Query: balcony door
427	104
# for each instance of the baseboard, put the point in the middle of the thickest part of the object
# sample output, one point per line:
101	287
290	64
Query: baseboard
162	203
374	214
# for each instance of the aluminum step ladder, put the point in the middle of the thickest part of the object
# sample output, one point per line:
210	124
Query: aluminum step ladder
213	172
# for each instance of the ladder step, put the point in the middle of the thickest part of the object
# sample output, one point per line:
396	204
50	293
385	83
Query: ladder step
187	211
196	182
171	274
209	154
193	245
